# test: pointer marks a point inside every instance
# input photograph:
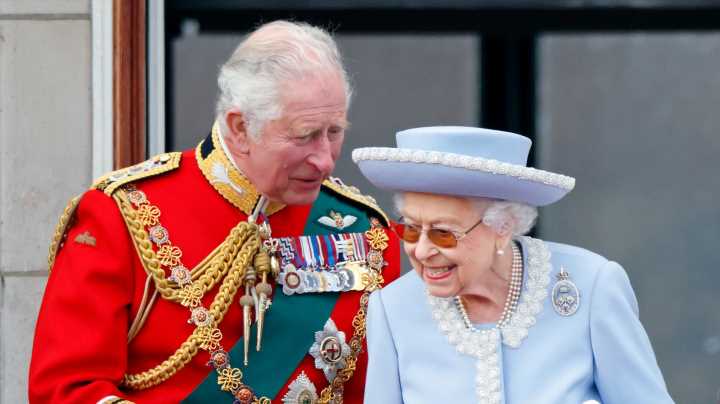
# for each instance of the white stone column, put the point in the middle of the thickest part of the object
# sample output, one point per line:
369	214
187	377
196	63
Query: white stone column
45	158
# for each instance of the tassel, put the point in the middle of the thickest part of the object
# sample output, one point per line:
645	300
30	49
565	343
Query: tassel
263	290
247	302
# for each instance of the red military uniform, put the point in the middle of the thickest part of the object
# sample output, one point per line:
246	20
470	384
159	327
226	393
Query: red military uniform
101	320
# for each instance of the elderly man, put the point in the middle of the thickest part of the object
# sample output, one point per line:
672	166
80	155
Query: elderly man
235	272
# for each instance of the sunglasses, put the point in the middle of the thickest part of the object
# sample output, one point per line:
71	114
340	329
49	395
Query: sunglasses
442	238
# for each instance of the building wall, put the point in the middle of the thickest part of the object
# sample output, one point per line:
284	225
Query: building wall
634	117
45	158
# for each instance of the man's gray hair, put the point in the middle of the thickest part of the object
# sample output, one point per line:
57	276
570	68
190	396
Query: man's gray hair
521	216
269	57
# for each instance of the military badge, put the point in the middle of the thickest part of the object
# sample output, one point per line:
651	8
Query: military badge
301	391
219	359
158	235
336	220
565	295
291	280
330	350
85	238
244	395
180	275
325	263
201	317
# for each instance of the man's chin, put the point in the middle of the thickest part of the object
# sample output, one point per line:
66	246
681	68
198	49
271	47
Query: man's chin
300	197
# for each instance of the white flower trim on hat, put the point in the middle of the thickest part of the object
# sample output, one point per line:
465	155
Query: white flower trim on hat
466	162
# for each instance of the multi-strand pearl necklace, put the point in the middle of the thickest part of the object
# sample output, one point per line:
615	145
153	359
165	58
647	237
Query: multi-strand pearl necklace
513	295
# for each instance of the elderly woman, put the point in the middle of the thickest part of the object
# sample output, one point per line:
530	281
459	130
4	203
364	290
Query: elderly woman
489	315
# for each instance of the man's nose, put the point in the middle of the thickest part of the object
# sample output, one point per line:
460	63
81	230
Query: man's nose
322	155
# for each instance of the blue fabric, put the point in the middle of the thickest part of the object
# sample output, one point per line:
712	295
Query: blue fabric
404	176
476	142
602	352
401	173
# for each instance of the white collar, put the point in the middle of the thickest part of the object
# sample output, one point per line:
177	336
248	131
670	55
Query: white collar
483	344
223	145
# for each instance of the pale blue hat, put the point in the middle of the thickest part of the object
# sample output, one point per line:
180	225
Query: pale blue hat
462	161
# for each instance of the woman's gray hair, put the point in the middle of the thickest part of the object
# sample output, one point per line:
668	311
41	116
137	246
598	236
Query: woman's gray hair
522	216
270	56
497	214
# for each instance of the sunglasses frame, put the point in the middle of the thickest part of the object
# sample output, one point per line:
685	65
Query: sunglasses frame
457	235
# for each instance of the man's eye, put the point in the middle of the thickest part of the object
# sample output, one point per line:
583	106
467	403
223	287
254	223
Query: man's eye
335	133
303	139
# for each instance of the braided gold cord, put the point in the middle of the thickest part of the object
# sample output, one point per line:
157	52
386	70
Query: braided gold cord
236	254
143	244
60	230
215	269
218	309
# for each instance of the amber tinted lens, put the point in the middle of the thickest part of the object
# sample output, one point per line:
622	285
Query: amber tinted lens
408	233
442	238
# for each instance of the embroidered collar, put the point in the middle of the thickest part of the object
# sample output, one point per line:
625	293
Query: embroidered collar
484	344
224	176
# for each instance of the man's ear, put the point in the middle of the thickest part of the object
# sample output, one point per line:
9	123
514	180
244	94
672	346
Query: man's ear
237	139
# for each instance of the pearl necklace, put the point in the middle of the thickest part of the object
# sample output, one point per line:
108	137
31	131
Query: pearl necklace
512	298
485	344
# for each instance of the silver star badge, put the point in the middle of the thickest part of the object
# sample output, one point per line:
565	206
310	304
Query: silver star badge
330	350
301	391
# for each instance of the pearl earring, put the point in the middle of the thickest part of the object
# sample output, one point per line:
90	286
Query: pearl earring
500	251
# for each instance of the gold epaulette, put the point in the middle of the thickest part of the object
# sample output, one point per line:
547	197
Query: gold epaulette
353	193
60	230
159	164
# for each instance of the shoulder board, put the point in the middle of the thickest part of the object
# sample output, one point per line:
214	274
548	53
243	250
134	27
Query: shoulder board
159	164
337	186
63	224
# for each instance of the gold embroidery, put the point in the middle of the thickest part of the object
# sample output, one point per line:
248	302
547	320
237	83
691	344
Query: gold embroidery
159	164
85	238
225	265
230	379
209	338
377	238
169	255
372	281
62	227
148	215
221	173
190	296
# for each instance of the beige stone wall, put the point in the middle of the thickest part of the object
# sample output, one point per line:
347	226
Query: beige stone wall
45	157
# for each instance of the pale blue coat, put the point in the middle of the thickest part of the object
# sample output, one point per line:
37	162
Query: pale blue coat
599	353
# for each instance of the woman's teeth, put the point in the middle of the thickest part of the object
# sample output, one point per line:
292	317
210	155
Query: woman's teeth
438	271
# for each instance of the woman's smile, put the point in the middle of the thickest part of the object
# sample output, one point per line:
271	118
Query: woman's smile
438	273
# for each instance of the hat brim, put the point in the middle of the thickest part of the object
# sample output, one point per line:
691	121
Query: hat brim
444	176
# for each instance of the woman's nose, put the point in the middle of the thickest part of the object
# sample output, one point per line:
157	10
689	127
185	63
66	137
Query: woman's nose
424	248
